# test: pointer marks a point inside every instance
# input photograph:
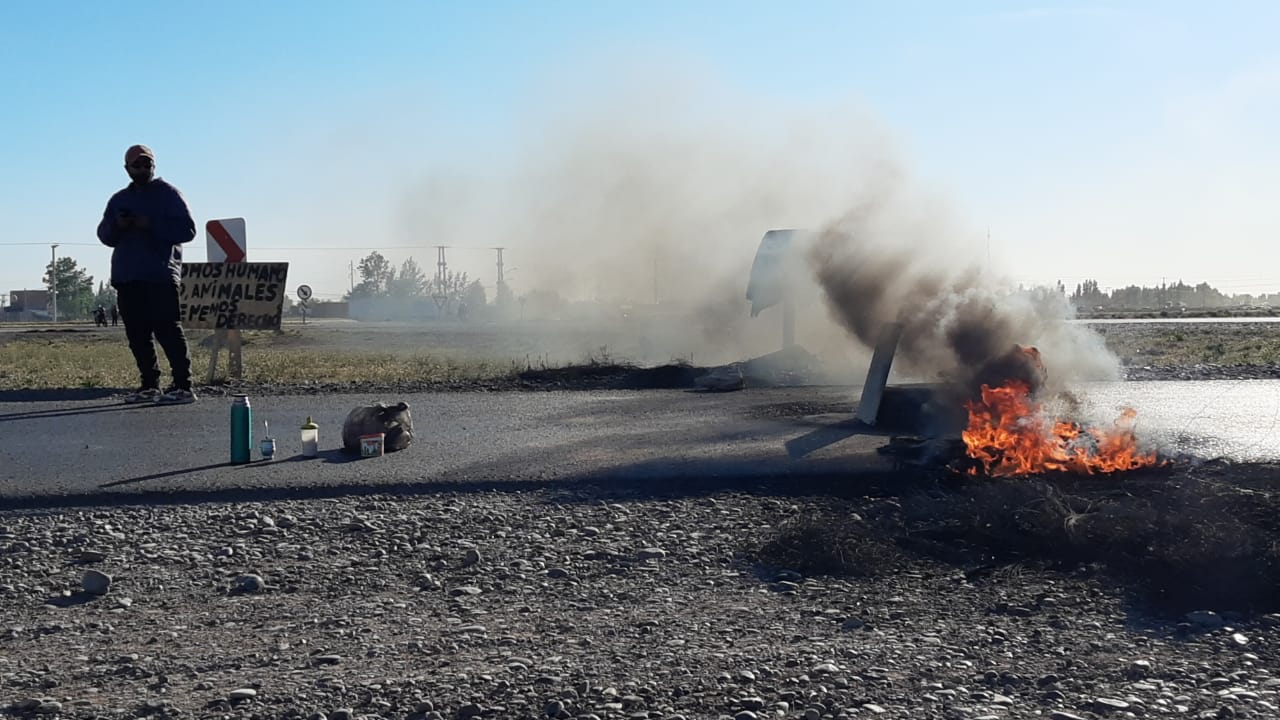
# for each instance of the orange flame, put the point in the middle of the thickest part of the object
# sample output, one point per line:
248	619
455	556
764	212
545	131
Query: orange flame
1009	434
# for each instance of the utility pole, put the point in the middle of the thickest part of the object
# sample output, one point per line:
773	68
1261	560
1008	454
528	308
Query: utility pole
53	277
442	267
441	295
502	275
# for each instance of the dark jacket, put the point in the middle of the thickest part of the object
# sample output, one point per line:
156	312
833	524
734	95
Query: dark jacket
154	254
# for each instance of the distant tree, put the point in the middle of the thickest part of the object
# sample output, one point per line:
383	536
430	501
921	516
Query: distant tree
376	276
410	282
503	297
475	296
447	289
106	296
541	304
74	288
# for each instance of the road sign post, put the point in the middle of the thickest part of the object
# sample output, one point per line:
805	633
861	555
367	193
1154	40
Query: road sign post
226	242
304	296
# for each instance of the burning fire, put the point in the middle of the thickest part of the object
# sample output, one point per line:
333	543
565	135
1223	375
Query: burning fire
1009	433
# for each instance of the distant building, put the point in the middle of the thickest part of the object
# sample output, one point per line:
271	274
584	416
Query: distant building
26	306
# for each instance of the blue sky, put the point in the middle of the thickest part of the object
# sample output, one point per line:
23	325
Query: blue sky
1121	141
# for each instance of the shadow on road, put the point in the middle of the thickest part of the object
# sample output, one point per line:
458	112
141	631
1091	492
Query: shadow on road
163	475
636	482
59	394
328	456
62	412
829	435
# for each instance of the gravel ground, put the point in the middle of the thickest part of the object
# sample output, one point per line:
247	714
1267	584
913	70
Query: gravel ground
585	604
582	604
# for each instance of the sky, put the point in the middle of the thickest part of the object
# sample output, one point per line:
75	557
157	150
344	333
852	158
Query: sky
1125	142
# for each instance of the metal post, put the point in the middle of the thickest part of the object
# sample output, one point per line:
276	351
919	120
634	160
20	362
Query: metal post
441	294
878	374
53	277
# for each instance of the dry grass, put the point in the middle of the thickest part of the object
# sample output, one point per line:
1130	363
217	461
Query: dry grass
79	357
1191	344
62	360
832	543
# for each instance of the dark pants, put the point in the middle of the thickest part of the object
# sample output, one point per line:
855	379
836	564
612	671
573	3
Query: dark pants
151	309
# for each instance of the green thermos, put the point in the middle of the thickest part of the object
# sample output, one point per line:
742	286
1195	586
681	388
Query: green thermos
241	429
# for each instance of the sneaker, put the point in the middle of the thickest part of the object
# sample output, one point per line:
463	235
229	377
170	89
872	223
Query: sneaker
176	396
142	395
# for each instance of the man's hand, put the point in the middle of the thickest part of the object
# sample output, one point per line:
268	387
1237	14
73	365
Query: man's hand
124	220
141	221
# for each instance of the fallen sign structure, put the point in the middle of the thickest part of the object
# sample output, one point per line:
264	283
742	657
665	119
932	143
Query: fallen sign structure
773	276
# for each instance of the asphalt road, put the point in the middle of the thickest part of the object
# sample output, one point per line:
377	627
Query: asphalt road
92	451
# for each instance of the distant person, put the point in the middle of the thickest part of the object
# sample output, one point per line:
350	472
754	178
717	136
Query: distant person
100	316
146	223
115	315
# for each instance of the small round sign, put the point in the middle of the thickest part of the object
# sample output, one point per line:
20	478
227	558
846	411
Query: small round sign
304	292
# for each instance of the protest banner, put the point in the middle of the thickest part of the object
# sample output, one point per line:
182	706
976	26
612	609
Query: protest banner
232	296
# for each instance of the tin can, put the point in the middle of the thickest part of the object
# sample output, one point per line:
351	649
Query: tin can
241	429
371	445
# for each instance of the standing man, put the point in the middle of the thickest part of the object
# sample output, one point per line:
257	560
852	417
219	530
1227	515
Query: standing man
146	223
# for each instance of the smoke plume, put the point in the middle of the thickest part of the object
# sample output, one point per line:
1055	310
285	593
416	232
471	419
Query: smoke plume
891	261
652	190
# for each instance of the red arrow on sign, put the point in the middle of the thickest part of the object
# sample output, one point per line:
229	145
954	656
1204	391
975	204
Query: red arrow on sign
225	241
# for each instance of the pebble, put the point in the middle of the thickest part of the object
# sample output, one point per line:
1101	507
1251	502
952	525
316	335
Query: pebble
346	625
1205	618
1139	669
95	582
250	583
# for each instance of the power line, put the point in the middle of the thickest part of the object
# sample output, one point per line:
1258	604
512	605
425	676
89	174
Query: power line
290	249
45	244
